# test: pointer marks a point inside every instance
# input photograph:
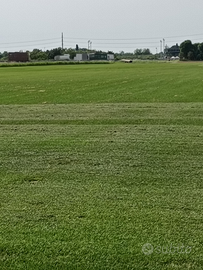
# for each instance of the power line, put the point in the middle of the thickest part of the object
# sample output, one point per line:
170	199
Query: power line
32	45
102	39
140	38
185	36
120	43
31	41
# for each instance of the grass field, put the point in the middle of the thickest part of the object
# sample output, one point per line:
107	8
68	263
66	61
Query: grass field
96	161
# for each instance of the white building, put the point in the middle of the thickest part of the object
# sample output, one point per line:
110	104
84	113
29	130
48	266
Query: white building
110	57
81	57
85	57
65	57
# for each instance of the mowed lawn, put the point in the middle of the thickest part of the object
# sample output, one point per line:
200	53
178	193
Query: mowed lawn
113	83
101	166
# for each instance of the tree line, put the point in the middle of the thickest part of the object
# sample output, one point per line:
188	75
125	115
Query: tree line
189	51
40	55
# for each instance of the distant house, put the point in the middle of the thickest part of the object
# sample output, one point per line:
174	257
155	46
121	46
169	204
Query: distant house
173	51
18	57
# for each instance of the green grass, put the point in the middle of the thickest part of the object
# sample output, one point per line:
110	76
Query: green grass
49	63
92	175
113	83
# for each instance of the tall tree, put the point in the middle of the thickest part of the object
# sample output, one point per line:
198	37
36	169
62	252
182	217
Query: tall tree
54	52
138	52
200	47
191	55
146	51
186	47
196	51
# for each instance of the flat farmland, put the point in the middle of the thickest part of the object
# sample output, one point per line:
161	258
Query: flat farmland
101	166
113	83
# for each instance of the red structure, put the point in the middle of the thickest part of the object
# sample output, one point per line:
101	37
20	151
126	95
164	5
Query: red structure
18	57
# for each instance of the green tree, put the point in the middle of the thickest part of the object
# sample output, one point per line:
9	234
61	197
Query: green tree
200	47
146	51
138	52
37	54
191	55
181	56
196	51
34	54
54	52
72	55
186	47
4	56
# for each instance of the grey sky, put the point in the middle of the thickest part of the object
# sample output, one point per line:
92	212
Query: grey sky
110	25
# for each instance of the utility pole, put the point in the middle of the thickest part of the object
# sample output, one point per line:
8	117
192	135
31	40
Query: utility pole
89	44
164	46
62	41
160	46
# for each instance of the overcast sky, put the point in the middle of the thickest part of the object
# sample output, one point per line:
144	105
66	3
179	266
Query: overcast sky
110	24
